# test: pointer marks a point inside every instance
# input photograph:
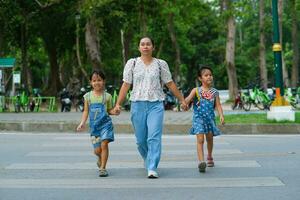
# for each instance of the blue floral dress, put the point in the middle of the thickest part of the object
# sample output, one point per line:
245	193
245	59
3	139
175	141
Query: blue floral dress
204	115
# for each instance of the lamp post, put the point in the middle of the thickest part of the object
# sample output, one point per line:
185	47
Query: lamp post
279	100
280	109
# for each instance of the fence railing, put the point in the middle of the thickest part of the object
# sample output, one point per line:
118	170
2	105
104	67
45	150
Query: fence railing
29	104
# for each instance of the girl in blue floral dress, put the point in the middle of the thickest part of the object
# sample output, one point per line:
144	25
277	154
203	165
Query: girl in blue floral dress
205	100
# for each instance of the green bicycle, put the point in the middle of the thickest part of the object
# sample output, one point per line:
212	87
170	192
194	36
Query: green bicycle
257	97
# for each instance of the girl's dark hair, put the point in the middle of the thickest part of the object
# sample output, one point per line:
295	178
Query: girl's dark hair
202	68
152	41
97	72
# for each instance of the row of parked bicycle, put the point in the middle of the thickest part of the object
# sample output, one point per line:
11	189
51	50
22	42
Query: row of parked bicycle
68	101
262	100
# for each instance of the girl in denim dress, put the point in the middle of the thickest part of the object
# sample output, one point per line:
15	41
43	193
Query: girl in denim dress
205	100
97	107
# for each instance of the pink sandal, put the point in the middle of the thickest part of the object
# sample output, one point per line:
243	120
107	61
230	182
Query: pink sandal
210	162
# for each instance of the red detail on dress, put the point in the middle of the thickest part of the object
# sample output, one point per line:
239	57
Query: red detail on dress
207	95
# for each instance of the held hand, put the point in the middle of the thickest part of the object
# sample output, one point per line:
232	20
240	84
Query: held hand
117	109
184	105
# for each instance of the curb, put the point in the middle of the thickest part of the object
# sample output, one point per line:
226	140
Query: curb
69	127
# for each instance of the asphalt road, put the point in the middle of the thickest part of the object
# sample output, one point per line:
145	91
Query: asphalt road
62	166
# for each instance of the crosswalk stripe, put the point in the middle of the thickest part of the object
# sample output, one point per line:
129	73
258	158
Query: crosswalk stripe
128	164
132	137
142	183
128	152
121	145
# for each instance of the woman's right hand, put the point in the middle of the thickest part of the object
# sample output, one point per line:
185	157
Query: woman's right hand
117	109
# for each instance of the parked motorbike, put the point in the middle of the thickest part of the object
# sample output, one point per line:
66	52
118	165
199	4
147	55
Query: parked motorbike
238	103
80	100
65	100
170	100
35	103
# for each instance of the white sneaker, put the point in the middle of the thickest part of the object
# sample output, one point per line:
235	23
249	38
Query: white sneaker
152	174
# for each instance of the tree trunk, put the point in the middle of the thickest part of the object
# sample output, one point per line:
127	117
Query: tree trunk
143	18
295	66
123	47
127	41
93	44
175	45
1	42
159	50
262	47
54	71
285	76
54	80
230	54
78	53
26	73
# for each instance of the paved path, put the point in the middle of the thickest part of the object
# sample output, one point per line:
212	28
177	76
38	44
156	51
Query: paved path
174	123
171	117
62	166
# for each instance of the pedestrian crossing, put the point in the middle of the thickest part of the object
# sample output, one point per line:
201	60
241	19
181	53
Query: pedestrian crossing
141	183
64	156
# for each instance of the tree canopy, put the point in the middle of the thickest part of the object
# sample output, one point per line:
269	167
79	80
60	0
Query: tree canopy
57	40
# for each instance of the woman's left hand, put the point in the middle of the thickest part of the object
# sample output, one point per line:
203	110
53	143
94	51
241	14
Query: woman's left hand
184	105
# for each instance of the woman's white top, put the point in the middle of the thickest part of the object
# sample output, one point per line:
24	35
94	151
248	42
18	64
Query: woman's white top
147	80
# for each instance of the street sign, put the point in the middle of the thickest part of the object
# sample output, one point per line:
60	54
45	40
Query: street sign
17	77
7	62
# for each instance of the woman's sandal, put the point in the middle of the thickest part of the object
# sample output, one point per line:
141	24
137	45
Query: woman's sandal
210	162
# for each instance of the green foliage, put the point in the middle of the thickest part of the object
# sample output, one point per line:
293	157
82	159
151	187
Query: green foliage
200	28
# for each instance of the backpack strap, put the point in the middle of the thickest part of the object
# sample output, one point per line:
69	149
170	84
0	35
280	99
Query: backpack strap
133	66
197	94
159	66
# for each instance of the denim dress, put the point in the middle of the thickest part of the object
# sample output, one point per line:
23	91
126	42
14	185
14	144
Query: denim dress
204	114
101	127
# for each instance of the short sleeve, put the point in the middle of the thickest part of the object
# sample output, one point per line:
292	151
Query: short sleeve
166	75
216	93
86	96
128	70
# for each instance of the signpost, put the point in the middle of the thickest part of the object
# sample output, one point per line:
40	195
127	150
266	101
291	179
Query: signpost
4	64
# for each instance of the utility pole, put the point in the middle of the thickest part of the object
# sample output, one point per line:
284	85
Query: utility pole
280	109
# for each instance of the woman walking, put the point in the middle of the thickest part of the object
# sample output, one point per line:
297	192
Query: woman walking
148	75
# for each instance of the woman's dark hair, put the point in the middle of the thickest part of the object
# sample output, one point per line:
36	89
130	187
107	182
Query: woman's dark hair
97	72
202	68
152	41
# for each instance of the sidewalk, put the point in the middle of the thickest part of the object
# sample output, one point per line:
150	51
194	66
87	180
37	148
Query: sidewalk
174	123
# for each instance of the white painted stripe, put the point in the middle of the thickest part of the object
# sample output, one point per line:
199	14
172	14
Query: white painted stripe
121	144
109	182
132	137
119	152
129	164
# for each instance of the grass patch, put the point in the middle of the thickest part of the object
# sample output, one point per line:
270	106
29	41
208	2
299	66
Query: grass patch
255	118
